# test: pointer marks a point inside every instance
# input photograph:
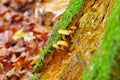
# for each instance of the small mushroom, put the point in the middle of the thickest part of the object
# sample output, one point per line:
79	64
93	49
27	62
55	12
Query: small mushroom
56	46
63	32
73	27
70	31
62	43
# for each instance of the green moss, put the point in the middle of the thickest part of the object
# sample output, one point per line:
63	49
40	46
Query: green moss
72	9
104	59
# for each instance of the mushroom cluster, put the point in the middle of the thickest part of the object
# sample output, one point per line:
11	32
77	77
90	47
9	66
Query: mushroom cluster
61	44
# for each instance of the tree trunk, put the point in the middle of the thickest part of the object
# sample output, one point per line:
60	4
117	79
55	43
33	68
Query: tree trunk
91	23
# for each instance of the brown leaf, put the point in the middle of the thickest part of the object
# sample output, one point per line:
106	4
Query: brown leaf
6	65
10	72
1	68
3	9
29	27
20	61
17	50
17	3
41	29
5	36
13	58
17	17
3	52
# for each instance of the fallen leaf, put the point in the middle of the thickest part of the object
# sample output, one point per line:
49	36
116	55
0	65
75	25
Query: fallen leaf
26	35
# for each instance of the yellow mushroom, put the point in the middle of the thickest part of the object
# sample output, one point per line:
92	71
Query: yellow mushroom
63	32
73	27
62	43
72	30
56	46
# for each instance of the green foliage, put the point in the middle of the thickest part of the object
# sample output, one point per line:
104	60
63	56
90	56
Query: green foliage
103	61
72	9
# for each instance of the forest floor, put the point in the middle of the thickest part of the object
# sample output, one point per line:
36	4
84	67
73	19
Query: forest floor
25	26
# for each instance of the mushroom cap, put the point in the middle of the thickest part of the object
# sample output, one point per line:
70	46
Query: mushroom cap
55	46
62	43
70	31
64	32
73	27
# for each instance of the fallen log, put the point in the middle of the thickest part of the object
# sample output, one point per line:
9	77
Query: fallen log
91	24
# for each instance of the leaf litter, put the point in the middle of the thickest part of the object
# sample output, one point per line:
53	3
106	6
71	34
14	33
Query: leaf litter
25	26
